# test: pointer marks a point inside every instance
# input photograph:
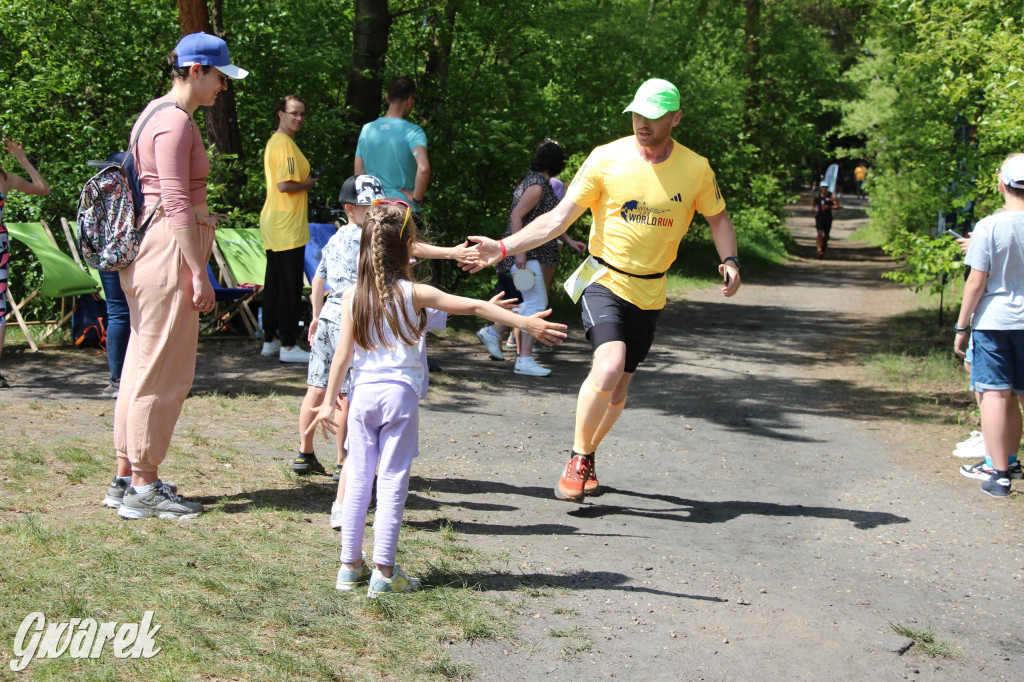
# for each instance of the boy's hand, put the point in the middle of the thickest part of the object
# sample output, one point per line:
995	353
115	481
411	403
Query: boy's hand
312	331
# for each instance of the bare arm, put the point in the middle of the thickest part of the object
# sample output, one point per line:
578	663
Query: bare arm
316	296
527	202
359	168
425	296
973	289
724	236
192	250
419	191
339	367
290	186
459	252
545	228
38	185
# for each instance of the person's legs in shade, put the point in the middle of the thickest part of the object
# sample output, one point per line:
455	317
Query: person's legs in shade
118	329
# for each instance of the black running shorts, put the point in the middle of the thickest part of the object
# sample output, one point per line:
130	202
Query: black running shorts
606	317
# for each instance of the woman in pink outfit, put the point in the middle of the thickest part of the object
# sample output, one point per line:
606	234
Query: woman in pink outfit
167	286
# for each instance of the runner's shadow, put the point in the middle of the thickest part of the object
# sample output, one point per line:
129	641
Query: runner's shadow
696	511
583	580
473	528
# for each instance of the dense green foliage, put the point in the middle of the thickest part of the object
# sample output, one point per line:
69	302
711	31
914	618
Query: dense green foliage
76	73
940	106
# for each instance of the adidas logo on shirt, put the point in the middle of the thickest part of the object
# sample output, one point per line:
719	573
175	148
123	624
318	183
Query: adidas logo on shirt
678	197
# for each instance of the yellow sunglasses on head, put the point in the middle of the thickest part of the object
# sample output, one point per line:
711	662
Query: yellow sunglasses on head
396	202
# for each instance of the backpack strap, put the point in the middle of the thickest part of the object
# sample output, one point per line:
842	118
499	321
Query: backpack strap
134	143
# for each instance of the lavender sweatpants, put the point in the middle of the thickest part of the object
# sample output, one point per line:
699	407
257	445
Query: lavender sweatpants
383	429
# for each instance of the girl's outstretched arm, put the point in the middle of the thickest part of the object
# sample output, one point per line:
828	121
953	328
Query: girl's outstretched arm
426	296
339	367
38	185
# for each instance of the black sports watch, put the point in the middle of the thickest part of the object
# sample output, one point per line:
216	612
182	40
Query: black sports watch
734	259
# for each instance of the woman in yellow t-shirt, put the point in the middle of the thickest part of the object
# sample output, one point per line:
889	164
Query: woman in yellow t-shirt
284	227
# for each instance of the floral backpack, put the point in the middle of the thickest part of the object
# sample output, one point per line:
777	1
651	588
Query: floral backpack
109	235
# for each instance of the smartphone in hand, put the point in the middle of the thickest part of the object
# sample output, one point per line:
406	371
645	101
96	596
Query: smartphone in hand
955	234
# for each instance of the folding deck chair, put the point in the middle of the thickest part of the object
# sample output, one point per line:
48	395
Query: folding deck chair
70	230
243	265
62	278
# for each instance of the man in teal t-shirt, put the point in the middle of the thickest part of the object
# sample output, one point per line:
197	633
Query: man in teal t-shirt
395	150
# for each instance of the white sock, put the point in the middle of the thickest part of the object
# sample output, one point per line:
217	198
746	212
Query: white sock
124	479
143	489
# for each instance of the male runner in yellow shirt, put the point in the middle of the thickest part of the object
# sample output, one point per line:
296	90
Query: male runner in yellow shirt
643	191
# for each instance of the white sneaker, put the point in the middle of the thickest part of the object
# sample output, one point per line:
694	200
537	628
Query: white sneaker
530	368
491	342
972	448
336	515
293	354
270	348
511	343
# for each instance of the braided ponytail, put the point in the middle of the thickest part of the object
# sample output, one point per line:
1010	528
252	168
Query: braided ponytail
380	304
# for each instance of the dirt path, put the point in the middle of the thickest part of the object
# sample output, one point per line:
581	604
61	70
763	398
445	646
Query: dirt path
764	515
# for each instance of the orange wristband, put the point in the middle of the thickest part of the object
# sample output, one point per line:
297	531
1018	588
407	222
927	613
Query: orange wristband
501	243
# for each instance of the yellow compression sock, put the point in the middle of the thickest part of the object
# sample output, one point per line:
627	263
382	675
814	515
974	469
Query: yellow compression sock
591	407
611	415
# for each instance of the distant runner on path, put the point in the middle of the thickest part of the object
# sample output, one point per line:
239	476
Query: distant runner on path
642	191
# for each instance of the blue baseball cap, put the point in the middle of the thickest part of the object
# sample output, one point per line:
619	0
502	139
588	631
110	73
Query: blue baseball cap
208	50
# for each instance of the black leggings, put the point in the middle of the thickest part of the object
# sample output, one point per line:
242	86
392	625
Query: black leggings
282	295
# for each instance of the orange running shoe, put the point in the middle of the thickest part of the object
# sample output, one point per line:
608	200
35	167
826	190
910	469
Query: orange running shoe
592	487
573	480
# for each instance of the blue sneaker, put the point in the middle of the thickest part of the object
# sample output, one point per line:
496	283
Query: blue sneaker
350	576
996	487
398	583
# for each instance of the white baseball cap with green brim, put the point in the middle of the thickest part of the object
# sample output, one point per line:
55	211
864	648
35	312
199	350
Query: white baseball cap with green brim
654	98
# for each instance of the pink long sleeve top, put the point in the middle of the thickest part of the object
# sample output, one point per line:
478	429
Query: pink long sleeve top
172	164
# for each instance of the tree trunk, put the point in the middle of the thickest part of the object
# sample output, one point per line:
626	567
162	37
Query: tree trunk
439	51
369	45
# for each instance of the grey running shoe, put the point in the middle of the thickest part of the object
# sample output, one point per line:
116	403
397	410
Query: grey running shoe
111	390
349	577
160	501
115	493
398	583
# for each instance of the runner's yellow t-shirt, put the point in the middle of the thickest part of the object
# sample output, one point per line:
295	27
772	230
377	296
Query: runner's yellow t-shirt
284	220
641	212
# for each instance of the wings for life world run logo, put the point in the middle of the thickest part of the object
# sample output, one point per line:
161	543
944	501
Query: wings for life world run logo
637	213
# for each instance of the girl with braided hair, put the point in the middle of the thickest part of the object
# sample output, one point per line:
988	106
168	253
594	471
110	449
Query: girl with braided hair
381	337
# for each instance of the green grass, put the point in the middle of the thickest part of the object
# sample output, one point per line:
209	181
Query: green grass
577	641
914	358
246	591
924	641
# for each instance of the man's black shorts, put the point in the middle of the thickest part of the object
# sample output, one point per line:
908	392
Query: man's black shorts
606	317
